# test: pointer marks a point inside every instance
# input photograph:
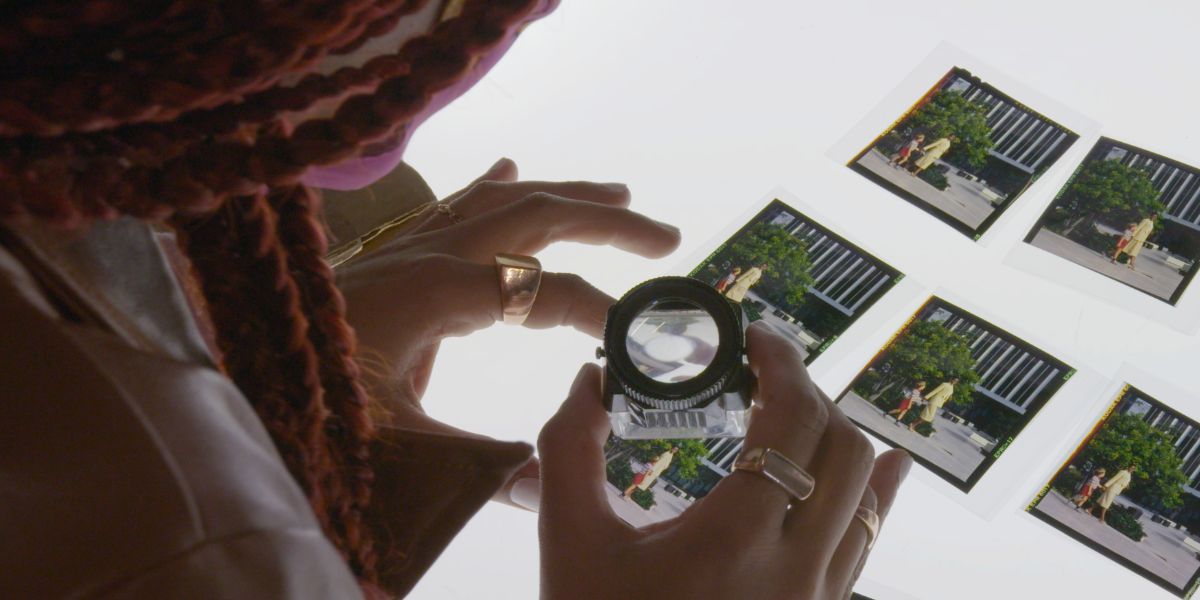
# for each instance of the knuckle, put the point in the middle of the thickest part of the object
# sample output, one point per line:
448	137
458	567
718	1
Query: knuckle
552	436
861	449
539	201
486	187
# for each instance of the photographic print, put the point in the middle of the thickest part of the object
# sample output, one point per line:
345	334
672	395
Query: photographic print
806	282
964	152
953	390
1131	491
1130	215
653	480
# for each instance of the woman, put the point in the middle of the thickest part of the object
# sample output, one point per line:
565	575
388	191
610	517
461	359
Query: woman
658	466
197	424
932	153
1114	487
1137	239
933	401
745	281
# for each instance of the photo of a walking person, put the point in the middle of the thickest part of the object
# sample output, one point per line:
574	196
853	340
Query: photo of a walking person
727	280
1137	239
1088	487
1112	488
901	157
935	400
931	153
742	283
645	479
806	282
953	390
911	396
1131	490
964	152
1130	215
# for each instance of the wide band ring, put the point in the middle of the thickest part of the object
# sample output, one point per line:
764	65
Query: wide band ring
870	519
520	277
778	468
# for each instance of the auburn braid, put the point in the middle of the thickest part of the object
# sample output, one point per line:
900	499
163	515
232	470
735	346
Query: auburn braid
211	169
261	331
151	142
220	165
349	428
131	86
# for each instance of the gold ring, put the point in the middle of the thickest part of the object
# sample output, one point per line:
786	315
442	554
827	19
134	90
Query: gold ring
520	277
445	209
871	519
778	468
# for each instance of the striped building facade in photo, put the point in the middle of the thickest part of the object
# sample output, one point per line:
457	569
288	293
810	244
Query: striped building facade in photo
1184	435
843	277
1178	185
1023	138
1013	376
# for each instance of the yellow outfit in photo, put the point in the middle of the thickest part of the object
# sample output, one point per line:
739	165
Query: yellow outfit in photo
660	464
1138	239
935	399
932	152
1114	486
743	283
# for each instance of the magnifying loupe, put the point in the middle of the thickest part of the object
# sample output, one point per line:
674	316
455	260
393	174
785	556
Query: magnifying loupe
676	362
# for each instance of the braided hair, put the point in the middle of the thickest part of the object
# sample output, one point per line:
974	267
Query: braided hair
179	112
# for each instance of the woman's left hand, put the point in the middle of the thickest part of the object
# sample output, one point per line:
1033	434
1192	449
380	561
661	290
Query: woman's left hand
439	278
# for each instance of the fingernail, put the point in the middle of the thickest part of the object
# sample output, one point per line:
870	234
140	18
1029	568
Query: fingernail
616	188
526	493
904	467
668	227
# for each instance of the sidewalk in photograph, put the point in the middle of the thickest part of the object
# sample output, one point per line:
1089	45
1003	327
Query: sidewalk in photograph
950	447
1153	275
963	200
1162	551
666	505
791	331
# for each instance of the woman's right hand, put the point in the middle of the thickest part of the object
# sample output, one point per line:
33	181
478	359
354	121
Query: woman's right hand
745	539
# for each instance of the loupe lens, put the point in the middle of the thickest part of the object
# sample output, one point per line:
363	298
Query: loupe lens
672	341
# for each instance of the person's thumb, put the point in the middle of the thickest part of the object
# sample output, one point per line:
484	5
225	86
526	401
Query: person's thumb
571	449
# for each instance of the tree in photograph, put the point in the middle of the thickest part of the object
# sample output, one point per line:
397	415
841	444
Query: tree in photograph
1110	191
948	113
686	463
786	278
1126	440
927	352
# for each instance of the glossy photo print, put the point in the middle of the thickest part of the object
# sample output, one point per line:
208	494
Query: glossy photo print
1130	215
805	281
1131	491
964	152
953	390
809	284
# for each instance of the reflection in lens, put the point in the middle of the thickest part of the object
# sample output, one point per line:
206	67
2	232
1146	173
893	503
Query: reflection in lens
672	341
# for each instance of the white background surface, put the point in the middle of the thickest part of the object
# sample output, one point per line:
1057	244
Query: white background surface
702	108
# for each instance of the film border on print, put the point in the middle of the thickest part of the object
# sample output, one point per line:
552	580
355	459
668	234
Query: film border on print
1173	300
1194	581
977	232
1035	406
